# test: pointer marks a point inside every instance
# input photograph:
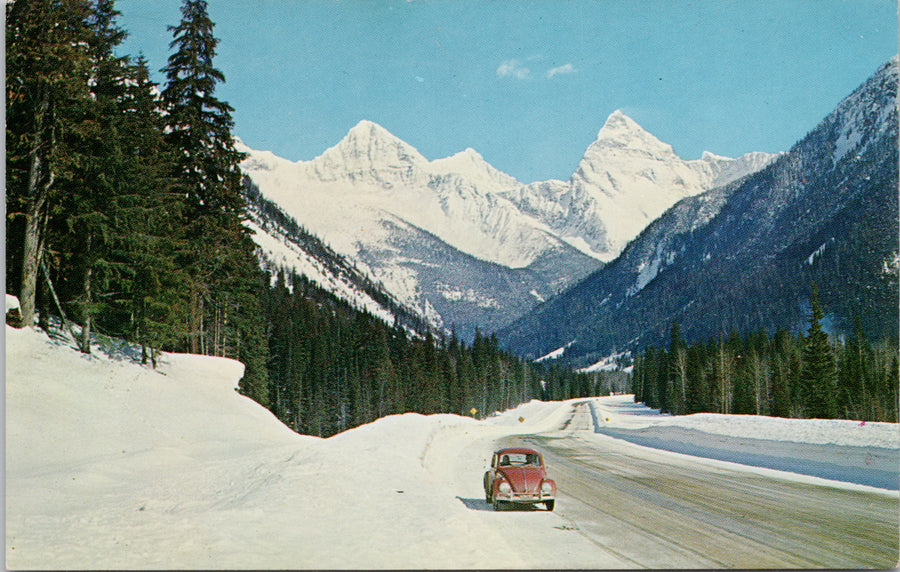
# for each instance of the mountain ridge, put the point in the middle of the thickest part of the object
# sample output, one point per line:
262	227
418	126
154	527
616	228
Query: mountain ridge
626	178
375	199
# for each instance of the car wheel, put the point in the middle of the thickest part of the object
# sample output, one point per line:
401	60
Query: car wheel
498	505
550	504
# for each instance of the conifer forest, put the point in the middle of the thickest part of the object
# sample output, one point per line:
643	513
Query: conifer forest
783	375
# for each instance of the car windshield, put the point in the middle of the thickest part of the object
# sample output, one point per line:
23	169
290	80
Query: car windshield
520	459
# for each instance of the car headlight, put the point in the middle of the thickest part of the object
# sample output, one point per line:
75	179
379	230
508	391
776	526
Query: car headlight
546	488
504	487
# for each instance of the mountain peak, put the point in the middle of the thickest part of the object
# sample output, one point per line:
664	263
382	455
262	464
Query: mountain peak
367	131
618	119
471	165
622	132
472	154
710	157
468	155
618	122
367	152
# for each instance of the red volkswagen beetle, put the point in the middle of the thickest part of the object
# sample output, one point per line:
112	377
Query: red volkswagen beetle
517	475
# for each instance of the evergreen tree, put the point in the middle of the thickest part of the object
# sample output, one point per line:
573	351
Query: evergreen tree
677	382
96	178
48	68
147	217
223	275
782	368
855	383
699	379
818	374
206	169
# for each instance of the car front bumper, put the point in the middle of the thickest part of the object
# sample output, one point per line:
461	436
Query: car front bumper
523	497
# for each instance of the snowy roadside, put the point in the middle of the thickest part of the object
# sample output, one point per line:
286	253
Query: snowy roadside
866	454
111	465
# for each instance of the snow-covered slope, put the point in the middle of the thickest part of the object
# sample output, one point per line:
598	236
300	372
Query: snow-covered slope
285	246
110	465
863	118
284	254
376	199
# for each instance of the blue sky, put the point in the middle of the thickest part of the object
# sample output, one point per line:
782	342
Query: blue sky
528	84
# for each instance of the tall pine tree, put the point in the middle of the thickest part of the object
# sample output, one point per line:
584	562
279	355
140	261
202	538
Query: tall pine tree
224	278
147	216
89	223
48	69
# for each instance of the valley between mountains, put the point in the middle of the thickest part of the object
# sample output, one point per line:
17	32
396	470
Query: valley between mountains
218	358
635	240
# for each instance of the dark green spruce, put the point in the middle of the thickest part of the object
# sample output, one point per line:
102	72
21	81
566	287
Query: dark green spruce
49	117
818	371
221	269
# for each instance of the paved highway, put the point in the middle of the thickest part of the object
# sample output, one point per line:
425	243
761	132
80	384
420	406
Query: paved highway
659	510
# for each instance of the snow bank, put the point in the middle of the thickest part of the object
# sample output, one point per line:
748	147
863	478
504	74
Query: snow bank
92	407
621	412
854	452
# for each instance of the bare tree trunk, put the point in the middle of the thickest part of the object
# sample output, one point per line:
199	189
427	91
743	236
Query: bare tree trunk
195	323
30	261
31	247
62	313
681	372
725	373
201	316
85	344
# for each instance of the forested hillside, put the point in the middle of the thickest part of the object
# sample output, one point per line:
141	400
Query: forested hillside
126	217
744	256
332	367
780	375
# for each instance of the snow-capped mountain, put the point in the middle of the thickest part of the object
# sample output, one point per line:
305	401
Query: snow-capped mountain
626	179
744	255
436	234
466	244
372	175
